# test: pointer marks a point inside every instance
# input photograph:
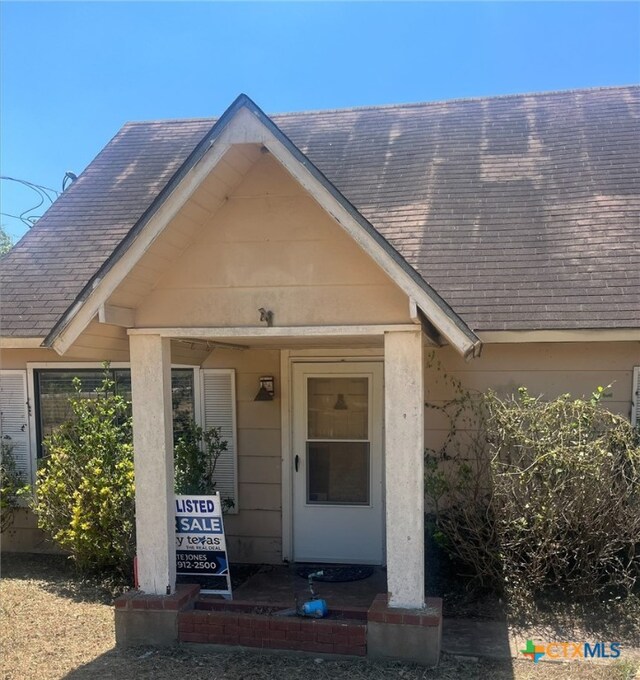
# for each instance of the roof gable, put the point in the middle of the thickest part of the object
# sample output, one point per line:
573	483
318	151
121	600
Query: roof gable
267	245
244	122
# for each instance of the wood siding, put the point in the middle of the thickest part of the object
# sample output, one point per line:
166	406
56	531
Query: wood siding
254	534
270	245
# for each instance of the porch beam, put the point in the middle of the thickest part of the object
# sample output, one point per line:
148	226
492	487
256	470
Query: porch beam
404	467
272	331
153	462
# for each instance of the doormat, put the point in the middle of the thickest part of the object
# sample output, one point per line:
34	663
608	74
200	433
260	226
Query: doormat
339	574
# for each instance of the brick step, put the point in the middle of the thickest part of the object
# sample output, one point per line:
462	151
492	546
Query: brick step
271	632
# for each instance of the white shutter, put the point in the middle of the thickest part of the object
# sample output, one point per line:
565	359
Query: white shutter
219	410
14	418
635	397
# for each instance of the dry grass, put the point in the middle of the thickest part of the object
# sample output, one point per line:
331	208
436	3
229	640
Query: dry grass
54	626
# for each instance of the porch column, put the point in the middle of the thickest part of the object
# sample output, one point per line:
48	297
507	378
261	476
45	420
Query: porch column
404	467
153	462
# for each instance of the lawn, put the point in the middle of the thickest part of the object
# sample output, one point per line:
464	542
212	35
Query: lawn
54	626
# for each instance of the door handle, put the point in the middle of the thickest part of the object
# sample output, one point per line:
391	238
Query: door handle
297	461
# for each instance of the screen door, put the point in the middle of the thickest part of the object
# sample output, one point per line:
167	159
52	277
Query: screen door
337	462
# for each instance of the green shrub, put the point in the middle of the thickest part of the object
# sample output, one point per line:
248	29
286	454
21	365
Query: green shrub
548	495
196	454
85	485
12	484
566	492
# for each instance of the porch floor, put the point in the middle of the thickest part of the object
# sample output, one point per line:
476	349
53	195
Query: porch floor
278	584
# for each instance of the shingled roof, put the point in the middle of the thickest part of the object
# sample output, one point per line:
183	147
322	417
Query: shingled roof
523	212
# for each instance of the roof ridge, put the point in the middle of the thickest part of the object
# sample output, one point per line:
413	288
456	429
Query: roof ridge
198	119
513	95
407	105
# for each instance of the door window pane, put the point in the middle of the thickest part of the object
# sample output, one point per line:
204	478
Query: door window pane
338	408
338	473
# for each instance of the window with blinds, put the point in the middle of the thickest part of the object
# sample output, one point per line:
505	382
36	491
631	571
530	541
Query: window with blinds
53	387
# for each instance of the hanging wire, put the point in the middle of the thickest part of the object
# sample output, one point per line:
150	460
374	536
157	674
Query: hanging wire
45	194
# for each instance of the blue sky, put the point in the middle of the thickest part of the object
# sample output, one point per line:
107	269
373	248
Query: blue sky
72	73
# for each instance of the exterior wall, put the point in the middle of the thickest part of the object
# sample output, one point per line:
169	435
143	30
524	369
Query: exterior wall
270	245
24	535
254	534
550	369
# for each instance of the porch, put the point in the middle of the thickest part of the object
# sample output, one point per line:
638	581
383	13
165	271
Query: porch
250	249
388	485
283	584
265	614
392	419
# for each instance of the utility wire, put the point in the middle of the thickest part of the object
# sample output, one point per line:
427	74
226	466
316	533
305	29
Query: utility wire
44	194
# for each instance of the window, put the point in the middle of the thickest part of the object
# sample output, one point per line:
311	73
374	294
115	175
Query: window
338	447
204	395
53	387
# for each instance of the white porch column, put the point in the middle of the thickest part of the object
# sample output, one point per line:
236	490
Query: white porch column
153	462
404	467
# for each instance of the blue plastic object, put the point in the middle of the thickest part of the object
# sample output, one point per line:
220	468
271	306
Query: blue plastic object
315	608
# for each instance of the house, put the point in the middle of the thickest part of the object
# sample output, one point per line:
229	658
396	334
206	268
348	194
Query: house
330	251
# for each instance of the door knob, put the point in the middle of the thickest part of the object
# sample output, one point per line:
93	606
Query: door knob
297	461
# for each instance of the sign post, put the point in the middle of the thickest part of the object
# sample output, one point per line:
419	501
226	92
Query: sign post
201	550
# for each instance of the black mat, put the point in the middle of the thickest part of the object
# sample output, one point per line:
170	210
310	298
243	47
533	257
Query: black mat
337	574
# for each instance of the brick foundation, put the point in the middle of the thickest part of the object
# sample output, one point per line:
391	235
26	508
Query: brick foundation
379	632
151	619
406	634
237	623
134	599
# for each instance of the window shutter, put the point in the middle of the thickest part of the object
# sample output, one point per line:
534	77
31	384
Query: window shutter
219	410
14	418
635	397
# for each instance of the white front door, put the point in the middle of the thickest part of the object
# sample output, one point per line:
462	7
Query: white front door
337	462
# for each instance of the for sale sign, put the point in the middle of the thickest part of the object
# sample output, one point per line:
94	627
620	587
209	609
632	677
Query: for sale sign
201	551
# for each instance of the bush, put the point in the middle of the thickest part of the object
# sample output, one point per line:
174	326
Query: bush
551	500
566	492
12	484
85	486
196	454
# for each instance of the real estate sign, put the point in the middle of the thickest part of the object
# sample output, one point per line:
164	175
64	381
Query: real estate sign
201	551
